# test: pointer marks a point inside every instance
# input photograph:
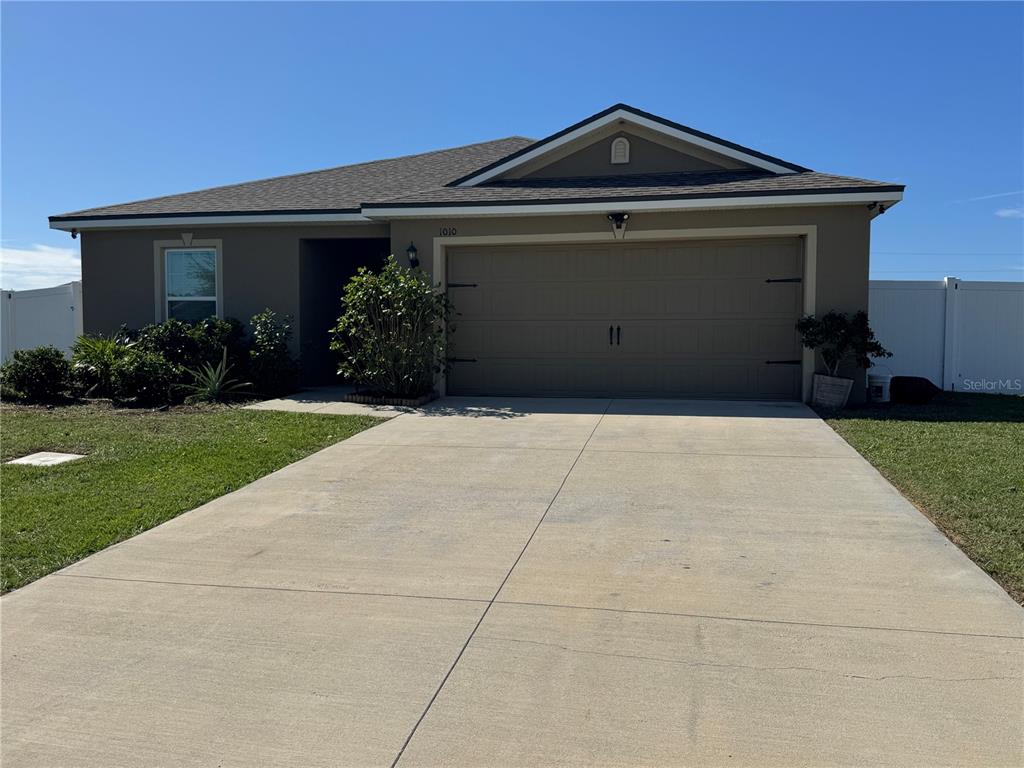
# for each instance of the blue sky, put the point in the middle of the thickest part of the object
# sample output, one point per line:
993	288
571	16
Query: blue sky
112	102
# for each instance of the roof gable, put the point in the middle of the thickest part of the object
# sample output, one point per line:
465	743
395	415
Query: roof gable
715	153
642	153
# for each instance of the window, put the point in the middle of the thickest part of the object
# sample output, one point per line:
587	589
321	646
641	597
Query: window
620	151
191	283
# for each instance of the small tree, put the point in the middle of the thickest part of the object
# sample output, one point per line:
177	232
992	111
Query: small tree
840	337
392	335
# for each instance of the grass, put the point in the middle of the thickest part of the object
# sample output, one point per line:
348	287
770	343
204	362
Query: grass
960	459
142	468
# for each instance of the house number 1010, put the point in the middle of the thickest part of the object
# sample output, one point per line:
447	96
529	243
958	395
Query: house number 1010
448	231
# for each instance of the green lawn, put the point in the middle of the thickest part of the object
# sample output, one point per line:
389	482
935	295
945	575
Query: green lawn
142	468
960	459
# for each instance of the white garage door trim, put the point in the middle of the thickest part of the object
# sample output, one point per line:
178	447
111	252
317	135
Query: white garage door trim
808	232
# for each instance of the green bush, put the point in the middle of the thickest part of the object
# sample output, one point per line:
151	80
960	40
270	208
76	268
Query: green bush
841	338
272	368
143	378
392	335
189	345
215	337
40	375
92	362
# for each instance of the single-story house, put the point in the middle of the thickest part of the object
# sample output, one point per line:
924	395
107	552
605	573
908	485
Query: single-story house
625	255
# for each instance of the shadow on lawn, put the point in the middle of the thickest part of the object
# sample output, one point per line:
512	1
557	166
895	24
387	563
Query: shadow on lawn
947	406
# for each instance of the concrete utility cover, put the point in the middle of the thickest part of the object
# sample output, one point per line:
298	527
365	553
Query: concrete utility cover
46	458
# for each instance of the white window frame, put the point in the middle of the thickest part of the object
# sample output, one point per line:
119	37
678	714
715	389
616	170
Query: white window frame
168	298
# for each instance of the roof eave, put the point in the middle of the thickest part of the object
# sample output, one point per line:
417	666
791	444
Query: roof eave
84	221
880	197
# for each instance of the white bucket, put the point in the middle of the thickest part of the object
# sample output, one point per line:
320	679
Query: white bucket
878	387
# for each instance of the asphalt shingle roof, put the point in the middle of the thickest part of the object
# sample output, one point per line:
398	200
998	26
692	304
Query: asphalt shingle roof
428	180
332	190
647	186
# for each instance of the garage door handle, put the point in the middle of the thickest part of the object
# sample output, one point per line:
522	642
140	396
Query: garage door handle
611	330
618	334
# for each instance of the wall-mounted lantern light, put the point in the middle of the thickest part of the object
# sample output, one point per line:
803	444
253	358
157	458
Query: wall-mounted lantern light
413	254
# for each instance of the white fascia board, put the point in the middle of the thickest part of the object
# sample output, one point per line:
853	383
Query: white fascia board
174	221
628	117
625	204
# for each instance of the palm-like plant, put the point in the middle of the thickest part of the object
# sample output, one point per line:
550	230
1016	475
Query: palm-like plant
93	359
210	384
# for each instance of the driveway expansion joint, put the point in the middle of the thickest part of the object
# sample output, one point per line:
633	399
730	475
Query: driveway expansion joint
266	588
754	620
501	586
745	667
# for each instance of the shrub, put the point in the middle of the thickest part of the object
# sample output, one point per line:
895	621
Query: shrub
215	337
840	337
40	375
210	384
392	335
93	359
144	378
271	366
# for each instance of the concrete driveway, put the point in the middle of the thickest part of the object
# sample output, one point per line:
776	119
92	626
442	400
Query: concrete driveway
530	583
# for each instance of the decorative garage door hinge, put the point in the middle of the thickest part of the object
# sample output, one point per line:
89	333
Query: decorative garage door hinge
784	280
782	362
462	285
461	359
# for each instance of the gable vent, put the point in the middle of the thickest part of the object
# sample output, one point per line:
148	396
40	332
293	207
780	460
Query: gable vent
620	151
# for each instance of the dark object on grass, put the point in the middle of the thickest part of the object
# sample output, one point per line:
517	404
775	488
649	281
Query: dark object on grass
915	390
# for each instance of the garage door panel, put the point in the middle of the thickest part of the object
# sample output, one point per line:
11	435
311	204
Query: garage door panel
731	297
780	261
733	339
472	266
696	319
595	299
778	380
776	340
685	298
641	298
780	299
600	263
732	379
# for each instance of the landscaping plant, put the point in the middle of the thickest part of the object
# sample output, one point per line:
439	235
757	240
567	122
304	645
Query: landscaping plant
391	337
40	375
92	361
210	384
187	345
143	378
841	338
271	366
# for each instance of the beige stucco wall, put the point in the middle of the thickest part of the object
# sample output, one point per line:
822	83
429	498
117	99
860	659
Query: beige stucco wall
260	268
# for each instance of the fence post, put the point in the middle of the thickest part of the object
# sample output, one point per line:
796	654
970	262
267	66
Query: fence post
951	346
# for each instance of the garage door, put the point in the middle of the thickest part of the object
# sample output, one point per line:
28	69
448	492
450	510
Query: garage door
679	319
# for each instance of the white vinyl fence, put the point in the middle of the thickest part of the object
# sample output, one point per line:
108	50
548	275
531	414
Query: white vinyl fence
39	317
963	336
